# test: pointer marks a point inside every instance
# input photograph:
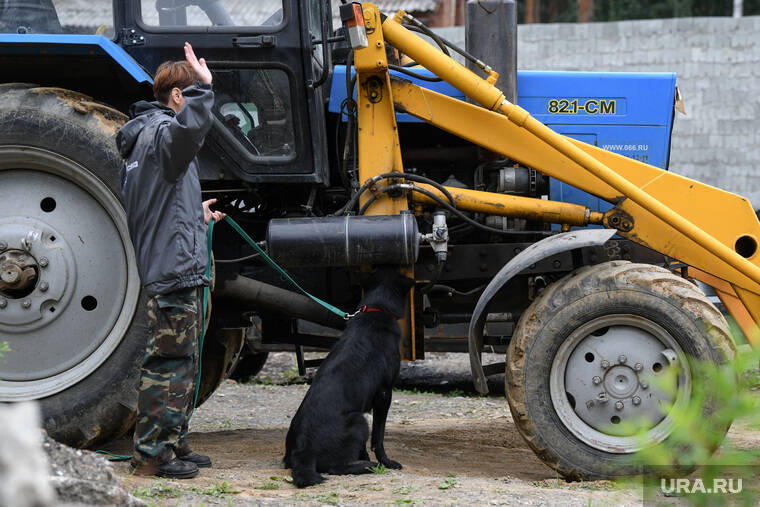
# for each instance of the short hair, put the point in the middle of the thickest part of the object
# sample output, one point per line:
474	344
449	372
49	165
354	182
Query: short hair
171	75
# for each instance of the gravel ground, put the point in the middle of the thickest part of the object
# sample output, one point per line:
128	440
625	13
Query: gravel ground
456	448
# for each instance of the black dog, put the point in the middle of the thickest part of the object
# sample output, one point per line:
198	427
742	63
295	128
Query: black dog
329	432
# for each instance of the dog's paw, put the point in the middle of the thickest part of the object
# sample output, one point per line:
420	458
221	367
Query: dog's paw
389	463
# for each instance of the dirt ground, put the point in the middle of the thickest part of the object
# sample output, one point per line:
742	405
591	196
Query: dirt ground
456	448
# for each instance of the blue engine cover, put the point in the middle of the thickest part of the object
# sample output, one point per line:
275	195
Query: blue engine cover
627	113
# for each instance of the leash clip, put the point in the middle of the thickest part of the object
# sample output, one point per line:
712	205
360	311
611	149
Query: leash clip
351	315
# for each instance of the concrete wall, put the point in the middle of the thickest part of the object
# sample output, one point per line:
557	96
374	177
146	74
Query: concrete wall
718	65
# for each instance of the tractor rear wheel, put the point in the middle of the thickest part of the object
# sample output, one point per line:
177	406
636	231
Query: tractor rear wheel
581	360
74	320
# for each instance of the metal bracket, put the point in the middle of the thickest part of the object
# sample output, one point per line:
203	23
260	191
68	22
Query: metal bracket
130	37
534	253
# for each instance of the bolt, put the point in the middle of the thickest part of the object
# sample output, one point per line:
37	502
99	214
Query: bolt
26	303
637	367
597	380
3	303
590	404
379	44
636	400
43	262
622	359
605	364
557	264
644	385
618	405
3	245
44	286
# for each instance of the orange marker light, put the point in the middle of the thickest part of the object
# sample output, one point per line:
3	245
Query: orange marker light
352	17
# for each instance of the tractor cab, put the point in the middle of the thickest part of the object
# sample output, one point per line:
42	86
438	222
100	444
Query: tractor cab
267	58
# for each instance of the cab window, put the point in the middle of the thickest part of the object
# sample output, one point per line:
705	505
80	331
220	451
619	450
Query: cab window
58	16
211	12
255	108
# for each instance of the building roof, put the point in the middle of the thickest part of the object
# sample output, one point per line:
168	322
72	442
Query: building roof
94	13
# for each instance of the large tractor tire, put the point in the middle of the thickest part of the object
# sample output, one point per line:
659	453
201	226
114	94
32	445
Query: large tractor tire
582	356
71	307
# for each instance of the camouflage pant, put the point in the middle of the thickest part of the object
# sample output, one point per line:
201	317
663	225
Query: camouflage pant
168	377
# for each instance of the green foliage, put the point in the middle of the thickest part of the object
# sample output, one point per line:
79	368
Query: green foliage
332	498
566	11
219	490
403	490
278	478
4	348
157	489
727	392
448	483
268	485
378	469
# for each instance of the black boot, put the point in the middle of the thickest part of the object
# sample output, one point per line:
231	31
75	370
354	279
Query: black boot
200	460
174	469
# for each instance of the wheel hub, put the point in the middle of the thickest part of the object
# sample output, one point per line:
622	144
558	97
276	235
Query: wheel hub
18	273
620	382
35	270
601	381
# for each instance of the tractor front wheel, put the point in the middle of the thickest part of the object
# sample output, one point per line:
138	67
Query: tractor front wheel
584	360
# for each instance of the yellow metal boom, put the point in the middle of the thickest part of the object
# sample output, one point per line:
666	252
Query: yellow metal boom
714	231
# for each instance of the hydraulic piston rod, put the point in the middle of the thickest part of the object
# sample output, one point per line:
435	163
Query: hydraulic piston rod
514	206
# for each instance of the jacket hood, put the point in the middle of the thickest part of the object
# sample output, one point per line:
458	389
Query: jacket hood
139	112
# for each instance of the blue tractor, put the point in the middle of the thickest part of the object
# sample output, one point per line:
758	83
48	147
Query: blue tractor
282	156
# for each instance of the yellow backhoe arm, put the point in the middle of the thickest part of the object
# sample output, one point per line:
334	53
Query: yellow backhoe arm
712	230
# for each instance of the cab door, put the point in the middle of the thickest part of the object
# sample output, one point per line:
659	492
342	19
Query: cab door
264	59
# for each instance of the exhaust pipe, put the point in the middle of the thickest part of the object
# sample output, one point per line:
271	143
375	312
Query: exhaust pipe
262	296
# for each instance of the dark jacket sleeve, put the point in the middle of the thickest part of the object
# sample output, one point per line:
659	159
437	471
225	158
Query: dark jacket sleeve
179	140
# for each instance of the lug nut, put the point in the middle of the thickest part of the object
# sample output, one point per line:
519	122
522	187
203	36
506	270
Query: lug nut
44	286
636	400
638	367
622	359
644	385
44	262
3	303
3	245
597	380
605	364
590	404
26	303
618	405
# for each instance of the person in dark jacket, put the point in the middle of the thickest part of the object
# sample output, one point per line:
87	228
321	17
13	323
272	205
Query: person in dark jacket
166	216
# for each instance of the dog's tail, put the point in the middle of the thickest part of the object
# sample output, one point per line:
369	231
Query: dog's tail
304	468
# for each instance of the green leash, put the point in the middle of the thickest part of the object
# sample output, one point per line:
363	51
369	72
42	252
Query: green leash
206	294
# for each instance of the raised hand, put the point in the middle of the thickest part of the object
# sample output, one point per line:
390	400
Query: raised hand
199	66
